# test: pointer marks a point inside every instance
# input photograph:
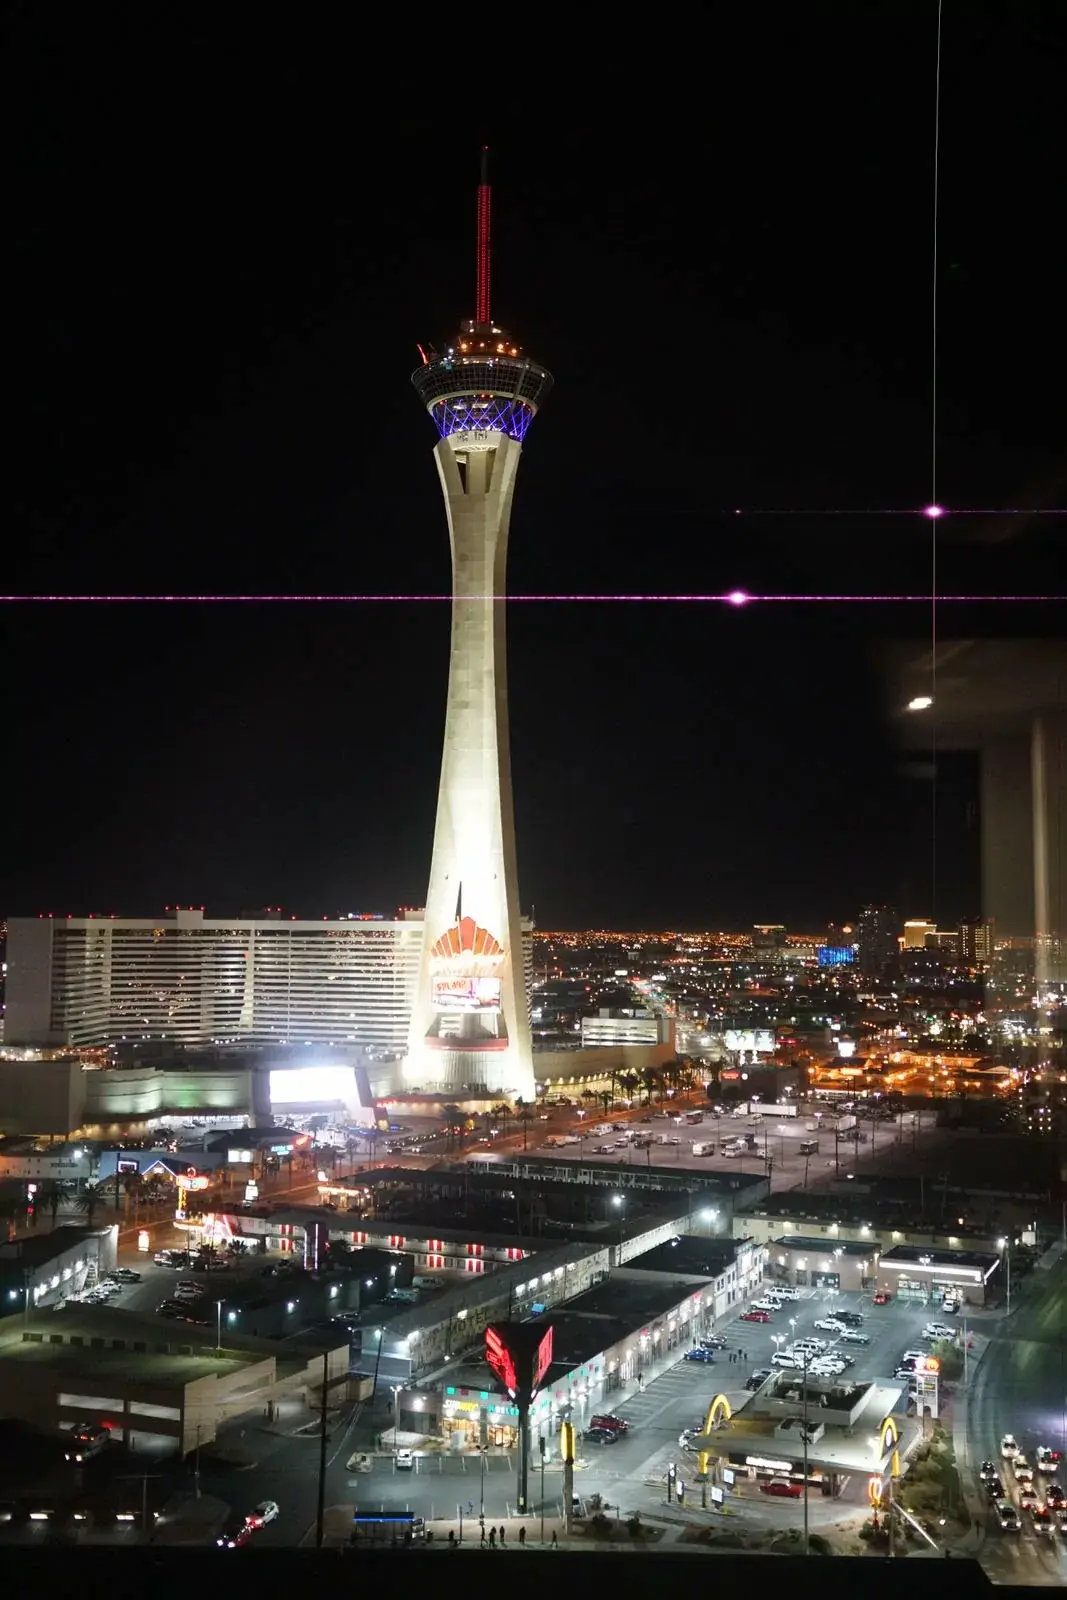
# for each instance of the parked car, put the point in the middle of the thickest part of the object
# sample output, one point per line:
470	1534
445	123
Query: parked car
784	1487
757	1379
715	1341
404	1460
882	1298
699	1354
851	1336
830	1325
602	1435
854	1319
781	1359
755	1316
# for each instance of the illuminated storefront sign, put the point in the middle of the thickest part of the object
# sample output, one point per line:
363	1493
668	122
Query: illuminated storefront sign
768	1463
465	965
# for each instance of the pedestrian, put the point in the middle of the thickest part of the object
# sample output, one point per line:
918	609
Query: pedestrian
522	1534
470	1508
555	1541
492	1538
483	1532
501	1533
740	1355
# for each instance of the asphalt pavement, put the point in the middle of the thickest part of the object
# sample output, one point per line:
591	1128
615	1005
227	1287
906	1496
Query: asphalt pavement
1020	1387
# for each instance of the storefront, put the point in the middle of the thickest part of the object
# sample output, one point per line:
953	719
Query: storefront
471	1418
966	1277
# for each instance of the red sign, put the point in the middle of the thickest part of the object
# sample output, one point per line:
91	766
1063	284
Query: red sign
542	1360
501	1361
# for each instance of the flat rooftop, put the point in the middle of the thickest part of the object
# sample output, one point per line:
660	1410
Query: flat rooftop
825	1247
691	1254
918	1255
630	1300
179	1347
37	1249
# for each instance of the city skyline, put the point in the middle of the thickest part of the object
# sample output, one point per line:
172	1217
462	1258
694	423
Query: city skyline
672	764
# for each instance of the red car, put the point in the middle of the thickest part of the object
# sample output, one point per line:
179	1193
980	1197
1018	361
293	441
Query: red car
881	1298
755	1316
785	1488
610	1424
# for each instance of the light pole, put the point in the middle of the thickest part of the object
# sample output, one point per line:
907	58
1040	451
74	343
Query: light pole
804	1436
619	1201
396	1388
1005	1249
218	1326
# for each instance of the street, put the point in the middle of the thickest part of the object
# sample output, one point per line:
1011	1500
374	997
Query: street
1019	1387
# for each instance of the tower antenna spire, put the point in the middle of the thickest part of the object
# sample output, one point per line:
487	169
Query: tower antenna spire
482	277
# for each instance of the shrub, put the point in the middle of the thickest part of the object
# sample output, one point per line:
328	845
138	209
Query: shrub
633	1525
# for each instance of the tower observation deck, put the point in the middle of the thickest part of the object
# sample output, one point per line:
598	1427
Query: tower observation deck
482	381
470	1026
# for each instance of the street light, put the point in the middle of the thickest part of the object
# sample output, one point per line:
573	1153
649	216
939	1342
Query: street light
218	1326
1005	1250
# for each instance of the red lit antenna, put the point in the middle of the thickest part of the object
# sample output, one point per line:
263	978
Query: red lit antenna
481	294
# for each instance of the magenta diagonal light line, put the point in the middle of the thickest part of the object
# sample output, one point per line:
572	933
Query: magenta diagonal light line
736	598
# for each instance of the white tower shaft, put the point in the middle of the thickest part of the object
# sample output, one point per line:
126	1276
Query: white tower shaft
470	1025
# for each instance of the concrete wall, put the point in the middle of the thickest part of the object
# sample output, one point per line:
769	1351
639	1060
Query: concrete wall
561	1070
42	1096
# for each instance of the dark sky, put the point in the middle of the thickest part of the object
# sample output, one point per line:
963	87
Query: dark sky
227	242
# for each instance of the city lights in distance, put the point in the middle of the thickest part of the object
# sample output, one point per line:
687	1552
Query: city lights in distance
922	702
737	597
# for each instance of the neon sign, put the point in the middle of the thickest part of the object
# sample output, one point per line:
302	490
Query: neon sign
501	1362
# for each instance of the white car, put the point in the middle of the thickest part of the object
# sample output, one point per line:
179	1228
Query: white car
1009	1447
764	1305
826	1367
785	1292
830	1325
782	1358
265	1512
1047	1460
938	1330
811	1347
405	1460
1024	1472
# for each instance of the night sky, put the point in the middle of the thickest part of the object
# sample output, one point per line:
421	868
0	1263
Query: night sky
718	237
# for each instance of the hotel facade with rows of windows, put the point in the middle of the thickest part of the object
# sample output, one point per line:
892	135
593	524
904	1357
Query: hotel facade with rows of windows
199	981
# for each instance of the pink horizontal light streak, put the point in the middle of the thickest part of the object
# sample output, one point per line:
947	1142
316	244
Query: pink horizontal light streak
735	598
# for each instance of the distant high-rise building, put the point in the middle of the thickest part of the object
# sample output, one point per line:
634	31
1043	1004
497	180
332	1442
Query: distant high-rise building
976	941
876	936
916	930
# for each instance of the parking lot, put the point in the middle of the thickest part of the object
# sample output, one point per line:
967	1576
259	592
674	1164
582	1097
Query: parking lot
776	1148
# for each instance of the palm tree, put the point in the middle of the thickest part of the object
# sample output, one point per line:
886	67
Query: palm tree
629	1082
49	1194
88	1200
452	1117
524	1113
9	1210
